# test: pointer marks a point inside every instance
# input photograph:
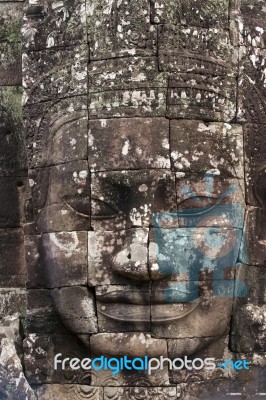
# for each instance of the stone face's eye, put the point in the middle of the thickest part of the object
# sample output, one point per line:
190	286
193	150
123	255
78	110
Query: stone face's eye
79	204
198	202
102	210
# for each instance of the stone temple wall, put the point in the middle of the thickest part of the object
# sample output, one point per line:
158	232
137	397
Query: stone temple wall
132	196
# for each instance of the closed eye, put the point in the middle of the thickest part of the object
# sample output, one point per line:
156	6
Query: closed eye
102	210
197	202
79	204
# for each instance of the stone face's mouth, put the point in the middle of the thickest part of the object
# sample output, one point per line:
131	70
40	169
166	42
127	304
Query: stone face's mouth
141	306
129	297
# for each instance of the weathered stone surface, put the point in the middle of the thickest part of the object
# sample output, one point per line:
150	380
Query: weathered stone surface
134	393
129	199
48	23
10	215
137	88
10	43
12	265
13	160
113	257
248	383
203	307
253	242
248	328
138	102
76	307
124	143
40	351
125	73
120	30
13	381
132	345
56	132
206	97
12	301
203	390
10	63
254	135
252	27
29	223
195	348
123	308
10	328
54	74
41	317
196	50
191	13
66	258
61	197
252	85
69	392
200	147
37	276
10	22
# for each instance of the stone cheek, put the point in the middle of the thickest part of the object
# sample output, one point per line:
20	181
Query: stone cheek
66	258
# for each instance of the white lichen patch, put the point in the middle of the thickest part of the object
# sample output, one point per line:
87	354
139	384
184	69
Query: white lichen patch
126	148
67	242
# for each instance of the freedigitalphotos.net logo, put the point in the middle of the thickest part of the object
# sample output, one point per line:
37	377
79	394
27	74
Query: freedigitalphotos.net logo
145	363
205	237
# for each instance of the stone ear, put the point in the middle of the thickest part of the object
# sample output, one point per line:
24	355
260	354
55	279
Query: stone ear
259	189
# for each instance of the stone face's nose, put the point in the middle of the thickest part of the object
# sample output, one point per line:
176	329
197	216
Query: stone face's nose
131	260
139	257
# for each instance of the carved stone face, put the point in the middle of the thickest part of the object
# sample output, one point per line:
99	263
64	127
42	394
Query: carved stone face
143	237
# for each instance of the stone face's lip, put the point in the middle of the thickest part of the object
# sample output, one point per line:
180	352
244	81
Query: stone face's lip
129	296
156	313
172	311
147	297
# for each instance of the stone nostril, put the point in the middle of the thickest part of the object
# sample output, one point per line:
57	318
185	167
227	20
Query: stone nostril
129	256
